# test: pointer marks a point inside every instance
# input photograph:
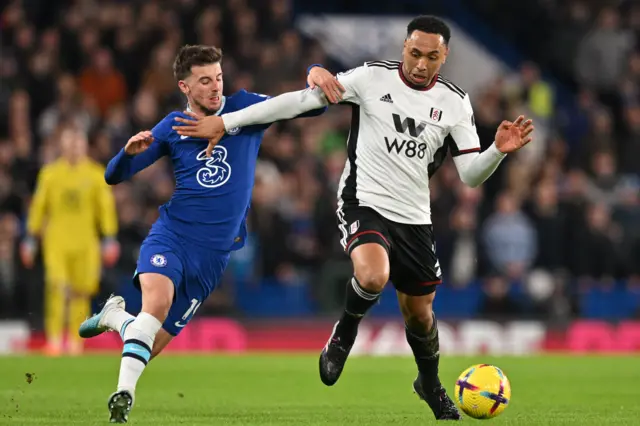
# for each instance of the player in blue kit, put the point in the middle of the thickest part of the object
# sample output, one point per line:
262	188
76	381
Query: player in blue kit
188	248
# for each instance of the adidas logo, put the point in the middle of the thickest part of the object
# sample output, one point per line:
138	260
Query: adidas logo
387	98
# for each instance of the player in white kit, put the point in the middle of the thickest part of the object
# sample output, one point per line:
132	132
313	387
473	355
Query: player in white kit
405	118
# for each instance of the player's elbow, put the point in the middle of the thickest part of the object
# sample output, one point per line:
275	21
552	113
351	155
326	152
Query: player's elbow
111	179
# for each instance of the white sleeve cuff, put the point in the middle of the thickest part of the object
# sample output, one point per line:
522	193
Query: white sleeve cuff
475	168
495	151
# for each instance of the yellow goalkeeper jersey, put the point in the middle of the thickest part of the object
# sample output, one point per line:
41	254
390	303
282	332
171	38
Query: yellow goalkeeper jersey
72	206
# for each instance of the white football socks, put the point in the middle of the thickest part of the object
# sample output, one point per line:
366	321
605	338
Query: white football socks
138	337
118	319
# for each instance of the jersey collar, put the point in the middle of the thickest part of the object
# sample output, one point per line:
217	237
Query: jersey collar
414	86
219	111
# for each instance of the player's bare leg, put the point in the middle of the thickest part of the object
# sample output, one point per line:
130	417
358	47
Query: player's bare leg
371	273
163	338
422	335
139	338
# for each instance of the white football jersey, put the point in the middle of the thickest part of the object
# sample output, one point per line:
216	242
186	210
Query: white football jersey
399	137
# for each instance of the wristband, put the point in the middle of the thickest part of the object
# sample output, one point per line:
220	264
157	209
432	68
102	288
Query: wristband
312	66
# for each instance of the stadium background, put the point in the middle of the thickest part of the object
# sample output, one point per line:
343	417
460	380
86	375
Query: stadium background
546	255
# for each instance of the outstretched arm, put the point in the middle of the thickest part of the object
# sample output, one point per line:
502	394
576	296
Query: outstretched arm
282	107
324	89
317	76
141	151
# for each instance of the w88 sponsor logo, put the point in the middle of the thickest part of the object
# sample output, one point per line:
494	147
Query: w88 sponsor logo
408	148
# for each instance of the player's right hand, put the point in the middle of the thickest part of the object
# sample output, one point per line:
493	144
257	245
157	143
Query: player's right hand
210	127
332	88
139	143
110	252
27	253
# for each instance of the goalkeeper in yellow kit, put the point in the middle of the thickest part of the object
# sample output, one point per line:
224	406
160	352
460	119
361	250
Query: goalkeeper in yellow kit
72	209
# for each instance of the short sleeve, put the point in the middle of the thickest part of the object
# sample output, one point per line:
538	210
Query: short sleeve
354	81
464	136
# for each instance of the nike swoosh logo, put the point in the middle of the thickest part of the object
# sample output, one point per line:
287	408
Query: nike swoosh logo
183	136
137	351
177	324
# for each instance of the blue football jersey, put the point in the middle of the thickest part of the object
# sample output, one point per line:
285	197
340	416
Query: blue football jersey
212	195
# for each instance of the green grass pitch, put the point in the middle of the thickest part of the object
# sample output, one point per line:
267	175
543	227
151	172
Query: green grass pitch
286	390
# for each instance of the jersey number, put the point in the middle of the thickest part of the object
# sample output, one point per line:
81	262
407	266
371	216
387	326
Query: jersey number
407	147
71	199
195	304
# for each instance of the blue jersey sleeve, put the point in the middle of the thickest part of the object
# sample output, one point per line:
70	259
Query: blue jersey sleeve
124	166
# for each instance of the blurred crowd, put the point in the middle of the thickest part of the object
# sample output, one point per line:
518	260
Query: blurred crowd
562	215
565	217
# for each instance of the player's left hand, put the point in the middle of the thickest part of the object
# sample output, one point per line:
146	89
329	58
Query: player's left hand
211	127
510	137
320	77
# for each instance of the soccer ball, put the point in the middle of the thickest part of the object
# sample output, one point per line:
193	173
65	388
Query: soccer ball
483	391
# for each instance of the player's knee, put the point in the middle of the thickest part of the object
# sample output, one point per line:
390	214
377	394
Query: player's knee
157	294
373	279
371	266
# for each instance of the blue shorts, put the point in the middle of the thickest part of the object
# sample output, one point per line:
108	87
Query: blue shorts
195	273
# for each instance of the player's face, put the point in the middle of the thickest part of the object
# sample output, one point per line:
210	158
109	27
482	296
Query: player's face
423	55
204	87
73	144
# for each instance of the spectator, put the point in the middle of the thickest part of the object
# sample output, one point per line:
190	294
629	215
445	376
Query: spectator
596	249
102	83
549	219
603	52
497	303
509	238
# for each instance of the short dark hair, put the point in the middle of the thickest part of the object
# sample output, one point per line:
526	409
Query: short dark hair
431	25
194	55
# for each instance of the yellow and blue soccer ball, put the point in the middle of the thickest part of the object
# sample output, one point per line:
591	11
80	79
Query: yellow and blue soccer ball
482	391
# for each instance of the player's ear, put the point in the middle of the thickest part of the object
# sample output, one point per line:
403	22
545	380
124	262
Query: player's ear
183	87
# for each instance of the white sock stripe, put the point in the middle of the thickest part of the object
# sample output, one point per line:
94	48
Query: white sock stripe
124	326
362	293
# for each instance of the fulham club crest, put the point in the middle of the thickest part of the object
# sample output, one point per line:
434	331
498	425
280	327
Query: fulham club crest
436	114
354	227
